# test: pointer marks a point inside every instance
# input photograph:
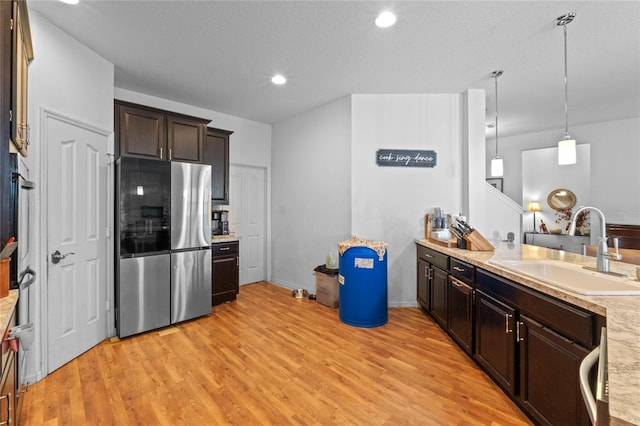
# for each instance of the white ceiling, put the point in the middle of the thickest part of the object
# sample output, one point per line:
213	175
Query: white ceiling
220	55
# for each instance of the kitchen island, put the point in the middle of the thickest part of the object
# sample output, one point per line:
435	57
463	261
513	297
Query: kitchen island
622	315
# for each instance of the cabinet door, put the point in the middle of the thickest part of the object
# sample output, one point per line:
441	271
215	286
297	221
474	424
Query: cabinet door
185	139
549	375
8	392
226	279
142	133
424	289
217	154
439	285
461	313
495	340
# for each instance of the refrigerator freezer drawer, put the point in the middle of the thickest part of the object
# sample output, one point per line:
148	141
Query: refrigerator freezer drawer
143	294
190	284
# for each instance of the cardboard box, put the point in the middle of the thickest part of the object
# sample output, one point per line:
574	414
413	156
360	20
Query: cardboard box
327	291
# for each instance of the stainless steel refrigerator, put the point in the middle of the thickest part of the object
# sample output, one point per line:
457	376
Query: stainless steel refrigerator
163	271
190	241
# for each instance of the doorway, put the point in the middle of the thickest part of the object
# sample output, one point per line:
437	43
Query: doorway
77	220
247	203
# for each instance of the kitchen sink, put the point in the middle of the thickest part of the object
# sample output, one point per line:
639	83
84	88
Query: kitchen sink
572	277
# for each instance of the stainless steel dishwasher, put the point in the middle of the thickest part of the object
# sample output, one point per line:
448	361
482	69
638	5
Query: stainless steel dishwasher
597	402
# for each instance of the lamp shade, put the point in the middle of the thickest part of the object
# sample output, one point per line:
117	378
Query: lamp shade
534	206
567	152
497	169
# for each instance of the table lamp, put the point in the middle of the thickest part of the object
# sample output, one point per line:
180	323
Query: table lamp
534	206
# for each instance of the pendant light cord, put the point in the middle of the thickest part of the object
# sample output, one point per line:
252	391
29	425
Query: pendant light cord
566	87
496	78
564	20
495	75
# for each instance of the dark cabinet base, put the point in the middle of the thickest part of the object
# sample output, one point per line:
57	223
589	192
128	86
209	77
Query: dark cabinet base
529	343
225	272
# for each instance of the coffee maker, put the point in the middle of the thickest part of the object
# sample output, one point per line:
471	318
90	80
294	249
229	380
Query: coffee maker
220	222
215	222
224	222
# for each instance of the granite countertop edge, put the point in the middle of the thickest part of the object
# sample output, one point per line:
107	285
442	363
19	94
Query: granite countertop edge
622	315
224	239
7	305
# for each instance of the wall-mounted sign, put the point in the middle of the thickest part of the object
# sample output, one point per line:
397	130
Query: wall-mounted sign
405	158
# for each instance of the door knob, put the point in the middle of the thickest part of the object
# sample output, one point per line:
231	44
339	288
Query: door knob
56	256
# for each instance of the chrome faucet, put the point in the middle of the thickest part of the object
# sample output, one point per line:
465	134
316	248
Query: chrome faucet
603	255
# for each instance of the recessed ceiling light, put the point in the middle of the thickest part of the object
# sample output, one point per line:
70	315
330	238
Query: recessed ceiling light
70	1
385	19
278	79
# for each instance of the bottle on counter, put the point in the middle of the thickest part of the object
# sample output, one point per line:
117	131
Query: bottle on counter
543	227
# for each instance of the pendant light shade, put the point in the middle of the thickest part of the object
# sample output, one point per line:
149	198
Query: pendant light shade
497	165
567	152
567	146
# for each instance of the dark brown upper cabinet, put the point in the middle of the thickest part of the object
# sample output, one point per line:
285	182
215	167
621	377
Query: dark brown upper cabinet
145	132
216	153
21	56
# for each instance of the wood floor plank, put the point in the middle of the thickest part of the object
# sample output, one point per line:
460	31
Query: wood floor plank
270	359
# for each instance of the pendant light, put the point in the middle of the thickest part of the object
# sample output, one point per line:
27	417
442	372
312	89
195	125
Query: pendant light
567	146
497	166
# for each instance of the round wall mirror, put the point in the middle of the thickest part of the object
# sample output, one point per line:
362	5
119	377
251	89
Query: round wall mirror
561	199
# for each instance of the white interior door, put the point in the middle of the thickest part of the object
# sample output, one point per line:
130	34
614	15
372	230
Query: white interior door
247	201
76	208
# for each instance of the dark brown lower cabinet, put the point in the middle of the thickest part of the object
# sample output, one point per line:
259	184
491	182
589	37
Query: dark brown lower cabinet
529	343
8	393
495	340
424	286
549	365
439	296
461	313
225	272
8	379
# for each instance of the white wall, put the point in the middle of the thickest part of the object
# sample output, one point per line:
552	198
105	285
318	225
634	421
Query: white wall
389	203
615	156
311	193
70	79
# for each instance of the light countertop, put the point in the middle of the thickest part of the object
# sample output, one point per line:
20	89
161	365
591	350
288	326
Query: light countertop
622	313
7	304
223	238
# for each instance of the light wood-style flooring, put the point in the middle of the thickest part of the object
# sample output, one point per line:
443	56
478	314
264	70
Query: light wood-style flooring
270	359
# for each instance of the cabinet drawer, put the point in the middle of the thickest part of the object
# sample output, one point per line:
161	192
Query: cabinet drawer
435	258
462	270
231	248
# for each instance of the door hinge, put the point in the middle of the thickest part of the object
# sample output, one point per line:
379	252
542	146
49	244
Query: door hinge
107	305
108	233
110	158
10	115
11	24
